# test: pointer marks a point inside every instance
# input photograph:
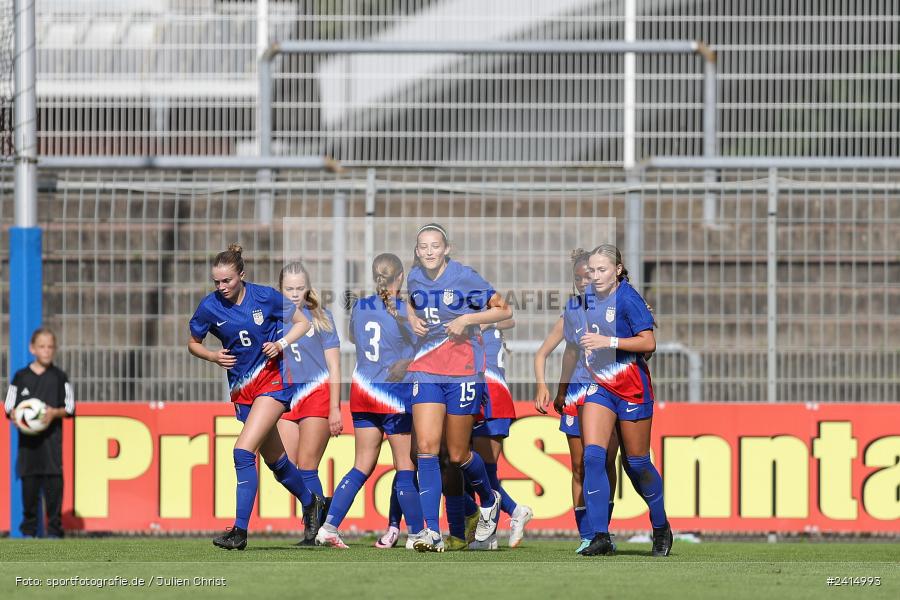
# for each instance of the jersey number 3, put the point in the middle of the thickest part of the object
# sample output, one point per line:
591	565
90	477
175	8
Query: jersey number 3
375	328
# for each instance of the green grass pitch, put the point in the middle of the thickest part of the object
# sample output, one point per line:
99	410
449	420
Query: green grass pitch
274	568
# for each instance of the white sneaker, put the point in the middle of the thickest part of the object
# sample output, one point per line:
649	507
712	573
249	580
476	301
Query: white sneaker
412	538
517	523
388	539
487	520
330	538
488	544
428	540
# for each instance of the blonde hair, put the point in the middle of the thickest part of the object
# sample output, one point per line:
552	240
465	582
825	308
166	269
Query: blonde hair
311	299
613	254
385	269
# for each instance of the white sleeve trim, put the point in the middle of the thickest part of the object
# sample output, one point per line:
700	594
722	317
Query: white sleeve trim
11	399
70	399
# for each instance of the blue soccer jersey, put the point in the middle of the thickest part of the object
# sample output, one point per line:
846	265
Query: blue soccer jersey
499	402
574	326
305	359
381	340
622	314
243	329
458	291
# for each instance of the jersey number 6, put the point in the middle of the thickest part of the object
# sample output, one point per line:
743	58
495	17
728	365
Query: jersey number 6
245	337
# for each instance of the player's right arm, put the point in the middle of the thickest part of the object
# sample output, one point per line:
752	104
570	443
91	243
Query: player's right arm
570	359
418	325
542	395
222	358
199	326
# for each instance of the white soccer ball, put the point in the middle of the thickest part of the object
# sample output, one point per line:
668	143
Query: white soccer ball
28	416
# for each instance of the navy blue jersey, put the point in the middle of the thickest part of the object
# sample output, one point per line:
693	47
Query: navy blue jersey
622	314
458	291
381	340
574	326
305	358
243	328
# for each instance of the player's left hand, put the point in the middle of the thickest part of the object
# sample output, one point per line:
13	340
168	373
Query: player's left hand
594	341
271	349
47	417
335	423
457	327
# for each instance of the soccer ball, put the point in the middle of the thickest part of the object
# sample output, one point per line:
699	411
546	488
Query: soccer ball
28	416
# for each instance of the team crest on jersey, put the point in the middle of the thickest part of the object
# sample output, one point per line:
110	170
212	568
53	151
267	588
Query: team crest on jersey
592	389
415	388
610	314
570	420
449	297
258	316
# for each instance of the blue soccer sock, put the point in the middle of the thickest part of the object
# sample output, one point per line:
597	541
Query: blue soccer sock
312	481
507	504
408	499
344	494
247	483
477	476
471	505
395	511
430	490
456	516
583	523
596	487
651	488
288	475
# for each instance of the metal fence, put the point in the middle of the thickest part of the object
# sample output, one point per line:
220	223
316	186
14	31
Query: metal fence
126	257
802	78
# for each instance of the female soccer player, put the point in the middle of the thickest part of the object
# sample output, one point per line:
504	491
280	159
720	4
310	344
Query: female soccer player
614	328
314	365
379	399
246	318
574	382
448	302
488	435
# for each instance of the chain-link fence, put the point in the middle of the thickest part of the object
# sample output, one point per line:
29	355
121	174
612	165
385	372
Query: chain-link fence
801	78
126	260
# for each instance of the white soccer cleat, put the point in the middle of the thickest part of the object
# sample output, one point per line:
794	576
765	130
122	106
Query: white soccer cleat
487	520
428	540
330	538
389	539
517	523
489	544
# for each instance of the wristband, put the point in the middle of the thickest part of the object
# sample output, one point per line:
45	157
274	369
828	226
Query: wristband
613	342
283	343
